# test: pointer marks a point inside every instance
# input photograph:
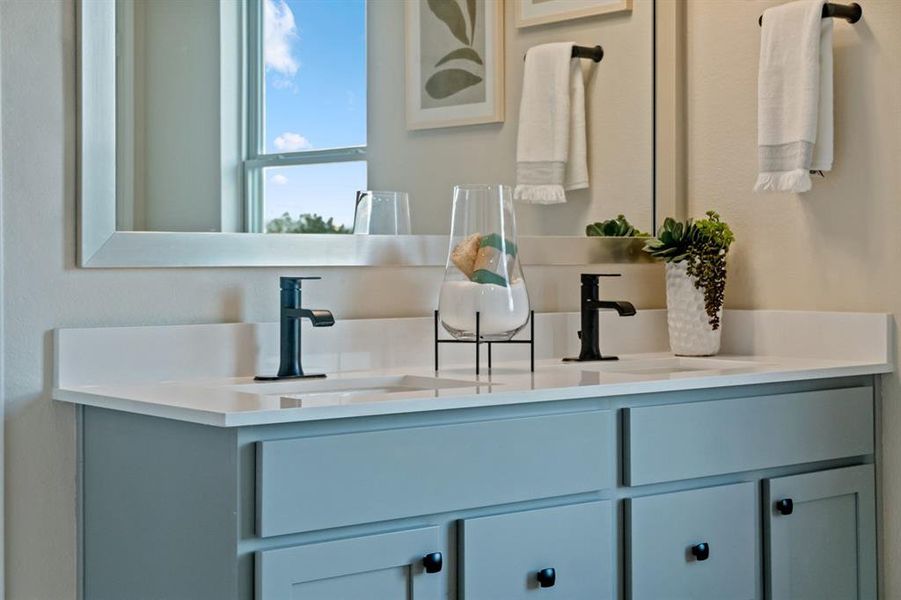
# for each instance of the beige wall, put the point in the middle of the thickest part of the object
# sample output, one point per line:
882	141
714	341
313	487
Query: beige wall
42	290
429	163
837	247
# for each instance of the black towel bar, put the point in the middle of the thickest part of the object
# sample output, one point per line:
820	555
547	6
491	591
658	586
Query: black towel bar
596	53
852	13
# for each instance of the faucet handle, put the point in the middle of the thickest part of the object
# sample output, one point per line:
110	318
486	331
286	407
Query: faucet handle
289	283
592	278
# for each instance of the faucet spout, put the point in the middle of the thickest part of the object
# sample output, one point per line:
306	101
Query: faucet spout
319	317
622	308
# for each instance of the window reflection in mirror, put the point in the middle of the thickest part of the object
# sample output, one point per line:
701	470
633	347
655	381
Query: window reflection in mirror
312	86
270	115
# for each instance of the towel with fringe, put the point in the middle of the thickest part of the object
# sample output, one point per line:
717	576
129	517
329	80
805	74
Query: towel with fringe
551	149
794	97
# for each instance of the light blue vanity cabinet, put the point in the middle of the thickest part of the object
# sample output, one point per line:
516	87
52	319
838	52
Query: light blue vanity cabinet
666	495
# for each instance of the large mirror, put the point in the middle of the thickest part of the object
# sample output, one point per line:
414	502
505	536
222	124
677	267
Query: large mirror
280	117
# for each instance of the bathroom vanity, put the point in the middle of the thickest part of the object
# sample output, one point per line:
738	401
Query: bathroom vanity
651	477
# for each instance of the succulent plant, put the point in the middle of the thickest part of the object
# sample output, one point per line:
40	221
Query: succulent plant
618	227
704	245
672	241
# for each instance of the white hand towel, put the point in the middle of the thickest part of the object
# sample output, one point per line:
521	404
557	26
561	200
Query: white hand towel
794	97
551	150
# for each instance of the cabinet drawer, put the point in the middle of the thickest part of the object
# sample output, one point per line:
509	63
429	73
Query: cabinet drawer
502	555
666	538
330	481
697	439
390	565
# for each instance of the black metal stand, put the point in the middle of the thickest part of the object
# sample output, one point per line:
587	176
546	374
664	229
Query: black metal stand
478	341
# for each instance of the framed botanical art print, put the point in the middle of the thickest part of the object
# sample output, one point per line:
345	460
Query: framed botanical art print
539	12
454	62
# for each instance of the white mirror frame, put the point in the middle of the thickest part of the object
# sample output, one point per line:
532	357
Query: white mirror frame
100	245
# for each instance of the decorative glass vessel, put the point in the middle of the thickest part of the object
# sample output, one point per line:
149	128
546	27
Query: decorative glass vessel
483	272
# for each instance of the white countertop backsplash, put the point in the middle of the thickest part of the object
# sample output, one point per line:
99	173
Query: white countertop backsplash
183	372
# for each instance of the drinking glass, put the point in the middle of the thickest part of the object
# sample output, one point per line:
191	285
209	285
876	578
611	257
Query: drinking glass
382	213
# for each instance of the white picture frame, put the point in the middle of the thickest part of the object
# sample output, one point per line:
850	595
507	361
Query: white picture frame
444	55
541	12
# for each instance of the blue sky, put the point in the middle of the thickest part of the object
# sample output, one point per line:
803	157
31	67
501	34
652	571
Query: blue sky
315	54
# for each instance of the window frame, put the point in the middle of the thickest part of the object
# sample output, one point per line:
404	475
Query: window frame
256	158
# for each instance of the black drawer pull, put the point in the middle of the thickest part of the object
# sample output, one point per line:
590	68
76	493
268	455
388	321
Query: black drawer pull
701	551
433	562
785	506
546	577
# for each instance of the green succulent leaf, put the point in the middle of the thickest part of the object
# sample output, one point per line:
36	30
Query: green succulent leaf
450	81
450	14
461	54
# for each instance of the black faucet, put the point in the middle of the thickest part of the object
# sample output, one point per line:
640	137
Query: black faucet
291	314
590	318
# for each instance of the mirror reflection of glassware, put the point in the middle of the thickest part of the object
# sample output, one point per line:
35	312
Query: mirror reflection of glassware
382	213
483	272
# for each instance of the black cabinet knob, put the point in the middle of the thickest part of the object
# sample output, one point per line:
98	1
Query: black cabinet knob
433	562
701	551
546	577
785	506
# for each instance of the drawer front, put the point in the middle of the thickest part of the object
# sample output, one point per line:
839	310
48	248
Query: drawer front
683	441
330	481
666	536
389	565
502	555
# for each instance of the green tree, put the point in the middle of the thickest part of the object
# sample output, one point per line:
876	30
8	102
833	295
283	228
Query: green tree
305	223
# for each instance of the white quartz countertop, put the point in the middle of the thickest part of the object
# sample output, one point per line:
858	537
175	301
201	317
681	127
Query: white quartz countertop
228	401
216	402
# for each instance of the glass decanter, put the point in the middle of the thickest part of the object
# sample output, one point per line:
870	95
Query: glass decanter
483	272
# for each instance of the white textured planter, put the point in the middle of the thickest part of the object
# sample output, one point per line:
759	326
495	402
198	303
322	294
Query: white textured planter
690	333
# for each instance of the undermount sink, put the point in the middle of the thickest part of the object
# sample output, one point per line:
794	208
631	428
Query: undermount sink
351	386
674	365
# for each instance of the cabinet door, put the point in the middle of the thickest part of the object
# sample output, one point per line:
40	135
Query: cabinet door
562	552
821	535
700	544
403	565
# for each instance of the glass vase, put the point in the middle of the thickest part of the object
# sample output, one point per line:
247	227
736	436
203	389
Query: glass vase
483	272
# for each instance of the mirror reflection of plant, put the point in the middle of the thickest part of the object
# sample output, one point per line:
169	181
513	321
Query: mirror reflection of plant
450	81
305	223
618	227
703	245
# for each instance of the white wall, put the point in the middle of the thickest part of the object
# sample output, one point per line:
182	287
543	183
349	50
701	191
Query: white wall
170	91
619	104
44	290
836	247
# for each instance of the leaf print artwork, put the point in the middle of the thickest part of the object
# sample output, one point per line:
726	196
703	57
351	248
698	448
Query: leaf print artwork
461	54
450	81
455	62
449	12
